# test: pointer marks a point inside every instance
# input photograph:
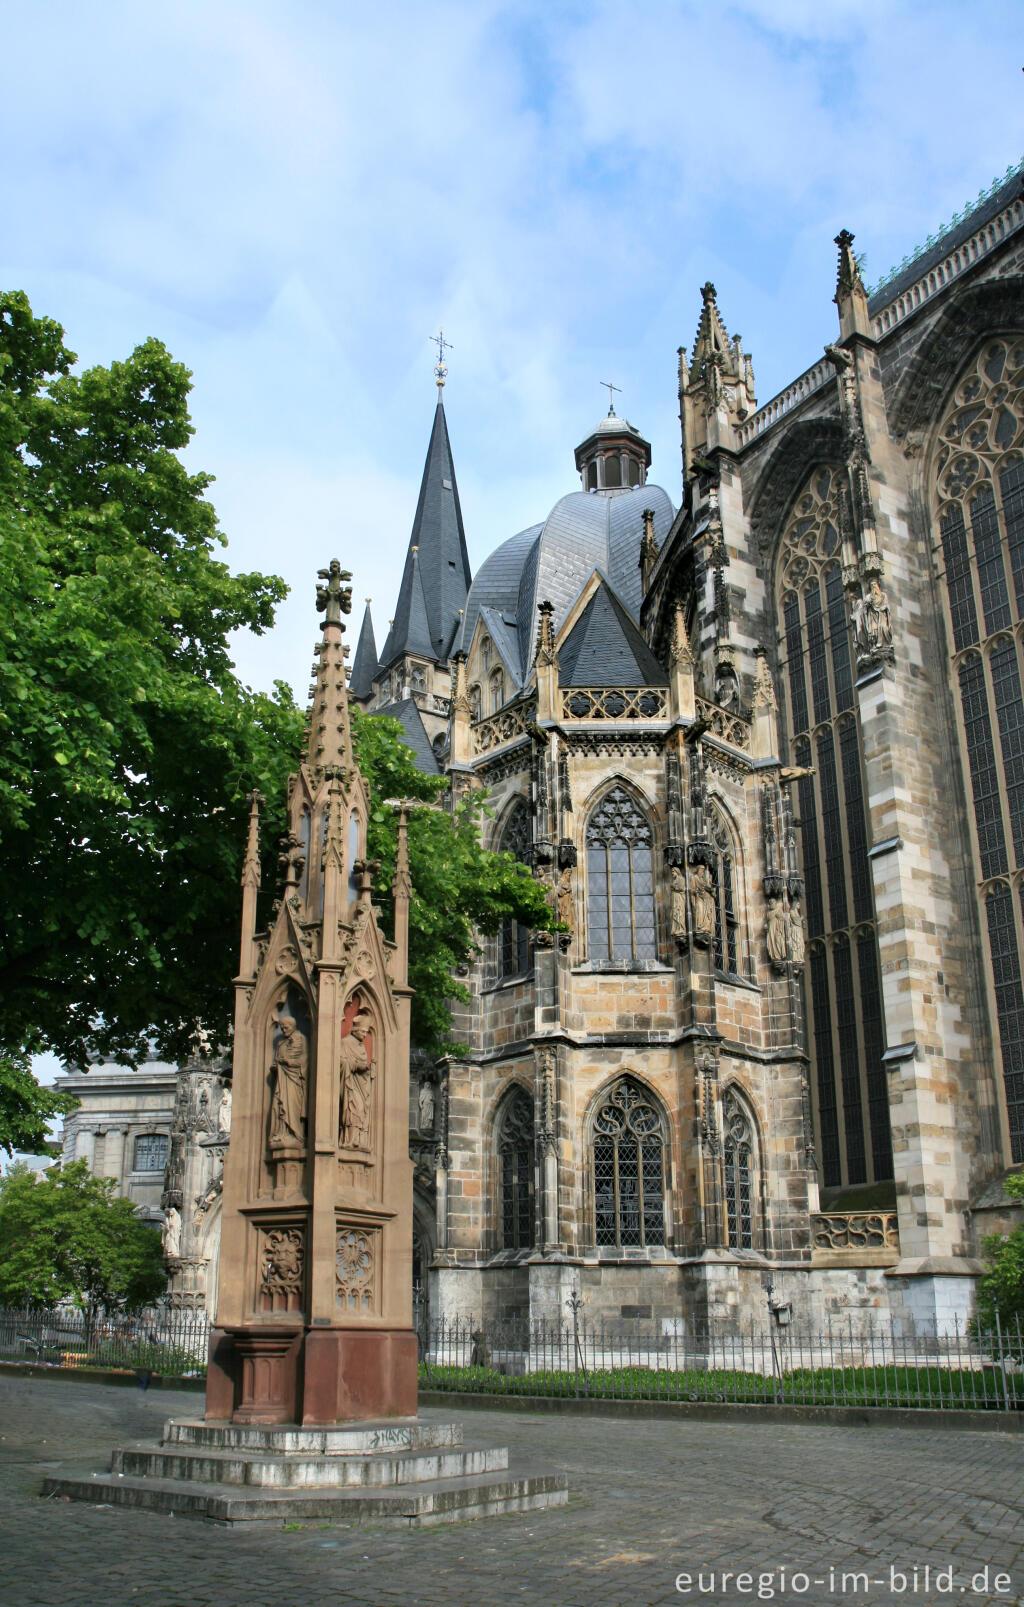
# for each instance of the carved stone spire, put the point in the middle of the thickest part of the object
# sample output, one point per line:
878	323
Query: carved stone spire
716	388
330	737
251	863
648	549
250	888
851	298
764	686
682	690
764	739
546	664
460	741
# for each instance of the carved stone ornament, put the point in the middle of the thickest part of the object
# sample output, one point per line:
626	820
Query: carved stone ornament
872	627
775	933
427	1105
797	943
702	904
564	903
290	1069
679	921
354	1269
287	960
282	1263
172	1234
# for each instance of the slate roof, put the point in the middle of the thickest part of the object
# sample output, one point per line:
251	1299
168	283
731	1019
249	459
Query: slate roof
364	665
427	614
908	276
406	712
553	561
605	648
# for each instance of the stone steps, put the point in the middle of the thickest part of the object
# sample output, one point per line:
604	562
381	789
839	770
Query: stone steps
522	1487
389	1434
296	1469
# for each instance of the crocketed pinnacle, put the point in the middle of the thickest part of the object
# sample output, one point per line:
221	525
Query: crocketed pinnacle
330	736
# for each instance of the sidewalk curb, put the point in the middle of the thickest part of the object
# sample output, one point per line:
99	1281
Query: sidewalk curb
963	1420
96	1375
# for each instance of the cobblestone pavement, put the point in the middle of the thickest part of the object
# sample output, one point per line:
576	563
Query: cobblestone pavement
649	1500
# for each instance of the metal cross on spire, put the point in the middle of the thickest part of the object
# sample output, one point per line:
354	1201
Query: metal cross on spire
440	370
611	400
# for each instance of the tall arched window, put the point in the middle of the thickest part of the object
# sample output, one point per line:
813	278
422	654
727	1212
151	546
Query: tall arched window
850	1092
417	679
513	941
620	881
739	1153
979	552
725	947
628	1168
475	710
497	691
515	1161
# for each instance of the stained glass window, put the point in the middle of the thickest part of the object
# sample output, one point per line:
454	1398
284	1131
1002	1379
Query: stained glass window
515	1156
628	1169
513	940
620	881
739	1165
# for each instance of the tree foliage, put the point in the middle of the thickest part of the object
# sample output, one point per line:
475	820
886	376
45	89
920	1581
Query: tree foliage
127	744
1001	1290
459	888
66	1235
27	1108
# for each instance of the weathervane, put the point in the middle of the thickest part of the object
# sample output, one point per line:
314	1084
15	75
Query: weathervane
440	371
611	400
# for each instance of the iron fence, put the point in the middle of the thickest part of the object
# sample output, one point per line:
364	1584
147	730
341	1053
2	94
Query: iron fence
157	1340
882	1364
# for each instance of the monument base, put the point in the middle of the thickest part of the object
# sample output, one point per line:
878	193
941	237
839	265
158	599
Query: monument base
317	1375
406	1473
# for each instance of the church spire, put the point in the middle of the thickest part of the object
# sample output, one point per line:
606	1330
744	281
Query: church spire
851	298
716	389
364	665
436	578
330	739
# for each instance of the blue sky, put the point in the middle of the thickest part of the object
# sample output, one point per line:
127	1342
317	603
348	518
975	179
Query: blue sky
295	196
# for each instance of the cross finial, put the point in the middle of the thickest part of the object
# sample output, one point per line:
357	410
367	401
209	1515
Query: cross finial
440	370
611	399
334	598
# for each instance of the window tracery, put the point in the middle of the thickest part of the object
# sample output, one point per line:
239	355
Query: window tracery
739	1153
497	691
620	881
851	1097
725	944
513	941
978	477
515	1157
627	1154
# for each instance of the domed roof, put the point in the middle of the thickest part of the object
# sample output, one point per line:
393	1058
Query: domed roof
553	561
612	424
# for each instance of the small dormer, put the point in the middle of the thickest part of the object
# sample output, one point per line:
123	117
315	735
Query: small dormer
615	457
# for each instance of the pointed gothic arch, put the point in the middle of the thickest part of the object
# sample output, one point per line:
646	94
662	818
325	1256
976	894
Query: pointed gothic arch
619	837
976	492
511	955
627	1152
514	1166
741	1170
818	706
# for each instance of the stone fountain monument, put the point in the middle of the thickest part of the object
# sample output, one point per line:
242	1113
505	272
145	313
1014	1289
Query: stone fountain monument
311	1398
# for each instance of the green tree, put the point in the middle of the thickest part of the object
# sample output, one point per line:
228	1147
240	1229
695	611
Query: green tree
66	1235
127	744
459	888
1001	1290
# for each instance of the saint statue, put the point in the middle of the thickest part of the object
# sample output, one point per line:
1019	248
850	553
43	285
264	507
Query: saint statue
356	1085
172	1233
796	934
702	903
289	1065
678	902
877	621
224	1110
775	932
426	1104
563	899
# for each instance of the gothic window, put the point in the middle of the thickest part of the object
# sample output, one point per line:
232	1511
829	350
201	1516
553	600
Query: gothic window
485	653
739	1152
628	1168
844	1002
515	1159
979	554
513	941
417	679
620	881
497	691
150	1152
474	703
725	948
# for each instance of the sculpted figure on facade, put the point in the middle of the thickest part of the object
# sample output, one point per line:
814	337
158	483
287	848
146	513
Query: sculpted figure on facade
290	1066
872	623
172	1234
775	932
224	1110
564	900
426	1107
679	922
797	945
356	1085
702	903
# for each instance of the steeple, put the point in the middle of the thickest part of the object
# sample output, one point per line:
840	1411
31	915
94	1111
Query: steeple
851	298
436	578
364	665
716	389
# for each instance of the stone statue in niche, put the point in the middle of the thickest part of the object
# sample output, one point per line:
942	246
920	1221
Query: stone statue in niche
290	1066
356	1084
702	903
727	688
172	1234
563	899
224	1110
872	623
426	1107
775	932
679	923
796	934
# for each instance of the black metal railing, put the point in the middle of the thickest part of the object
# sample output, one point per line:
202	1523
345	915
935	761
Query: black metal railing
162	1341
881	1363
